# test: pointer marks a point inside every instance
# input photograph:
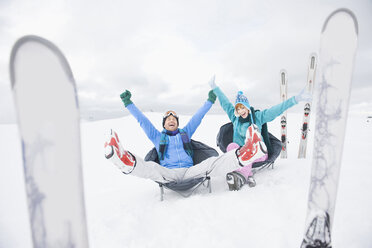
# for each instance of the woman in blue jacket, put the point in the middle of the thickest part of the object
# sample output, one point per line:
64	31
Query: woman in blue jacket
242	120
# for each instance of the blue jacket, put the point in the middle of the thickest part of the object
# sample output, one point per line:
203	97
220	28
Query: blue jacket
267	115
175	155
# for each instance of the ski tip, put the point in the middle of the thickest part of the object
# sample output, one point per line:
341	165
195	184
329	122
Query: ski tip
344	11
48	44
283	71
313	55
283	77
312	61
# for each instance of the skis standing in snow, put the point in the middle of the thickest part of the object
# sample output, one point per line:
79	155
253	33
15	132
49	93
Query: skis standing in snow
337	51
283	118
49	123
307	108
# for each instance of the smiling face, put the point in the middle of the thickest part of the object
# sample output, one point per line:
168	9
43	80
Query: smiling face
242	110
171	123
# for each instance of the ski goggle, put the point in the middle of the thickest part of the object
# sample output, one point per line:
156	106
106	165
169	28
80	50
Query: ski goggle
170	112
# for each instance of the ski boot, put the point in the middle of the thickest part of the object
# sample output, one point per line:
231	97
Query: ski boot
235	180
115	152
251	182
253	148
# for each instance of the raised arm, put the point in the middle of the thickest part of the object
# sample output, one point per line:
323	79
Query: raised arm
226	105
270	114
196	119
152	133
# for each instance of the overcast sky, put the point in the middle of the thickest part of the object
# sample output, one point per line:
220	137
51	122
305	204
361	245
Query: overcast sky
165	51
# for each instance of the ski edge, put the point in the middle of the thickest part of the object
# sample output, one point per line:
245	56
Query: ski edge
34	38
346	11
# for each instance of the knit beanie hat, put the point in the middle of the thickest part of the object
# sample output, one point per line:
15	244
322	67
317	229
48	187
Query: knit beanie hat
167	114
241	99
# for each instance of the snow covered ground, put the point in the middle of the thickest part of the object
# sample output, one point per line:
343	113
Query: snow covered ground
125	211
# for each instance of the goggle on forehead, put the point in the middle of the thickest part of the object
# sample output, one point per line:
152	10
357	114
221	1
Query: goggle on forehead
170	112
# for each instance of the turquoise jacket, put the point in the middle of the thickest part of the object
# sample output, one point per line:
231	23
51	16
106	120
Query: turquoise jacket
175	156
267	115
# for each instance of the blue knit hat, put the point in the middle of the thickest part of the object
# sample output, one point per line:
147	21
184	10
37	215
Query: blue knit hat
241	99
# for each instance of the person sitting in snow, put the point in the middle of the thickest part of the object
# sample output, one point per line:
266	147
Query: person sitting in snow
173	147
247	130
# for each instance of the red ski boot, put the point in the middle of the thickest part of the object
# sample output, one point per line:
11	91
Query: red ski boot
115	152
253	149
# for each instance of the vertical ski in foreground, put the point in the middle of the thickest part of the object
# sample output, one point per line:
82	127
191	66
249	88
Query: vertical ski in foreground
337	51
49	123
307	108
283	118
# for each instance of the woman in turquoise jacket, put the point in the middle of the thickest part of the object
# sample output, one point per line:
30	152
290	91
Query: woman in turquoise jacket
240	116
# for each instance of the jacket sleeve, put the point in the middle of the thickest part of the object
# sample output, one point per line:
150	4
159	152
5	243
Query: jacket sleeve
152	133
270	114
226	105
196	119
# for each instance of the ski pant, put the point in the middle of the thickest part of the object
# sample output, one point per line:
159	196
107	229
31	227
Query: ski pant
213	166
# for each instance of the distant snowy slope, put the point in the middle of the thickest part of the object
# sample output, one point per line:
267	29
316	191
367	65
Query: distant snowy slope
125	211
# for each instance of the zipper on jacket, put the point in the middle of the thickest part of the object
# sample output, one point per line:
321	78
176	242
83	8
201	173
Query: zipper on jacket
178	154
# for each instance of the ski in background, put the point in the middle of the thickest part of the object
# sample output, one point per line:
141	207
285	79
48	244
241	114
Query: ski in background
307	107
283	118
337	52
44	93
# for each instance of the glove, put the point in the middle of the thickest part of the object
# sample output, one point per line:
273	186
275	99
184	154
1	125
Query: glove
125	97
304	95
211	96
212	83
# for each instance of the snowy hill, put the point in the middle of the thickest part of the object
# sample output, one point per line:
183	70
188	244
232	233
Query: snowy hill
125	211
